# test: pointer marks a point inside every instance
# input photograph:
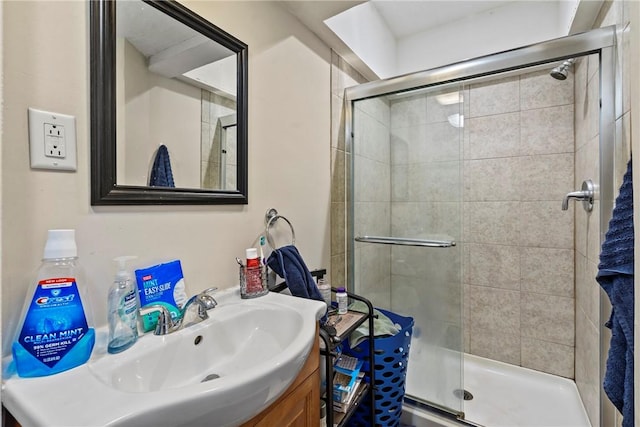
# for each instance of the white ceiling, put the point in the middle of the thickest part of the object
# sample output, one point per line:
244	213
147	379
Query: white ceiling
405	18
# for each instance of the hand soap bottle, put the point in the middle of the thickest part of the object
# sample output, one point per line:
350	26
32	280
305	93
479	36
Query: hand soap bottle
122	309
56	328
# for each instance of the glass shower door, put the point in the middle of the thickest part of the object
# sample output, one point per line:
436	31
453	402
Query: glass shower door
406	219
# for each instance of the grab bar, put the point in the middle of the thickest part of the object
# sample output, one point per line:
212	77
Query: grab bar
406	241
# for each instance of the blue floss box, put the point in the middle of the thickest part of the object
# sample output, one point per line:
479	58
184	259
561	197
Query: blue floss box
164	285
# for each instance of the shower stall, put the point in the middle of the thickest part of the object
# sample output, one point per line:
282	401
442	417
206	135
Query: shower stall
457	182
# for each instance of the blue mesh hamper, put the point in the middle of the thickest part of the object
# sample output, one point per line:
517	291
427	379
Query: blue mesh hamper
391	357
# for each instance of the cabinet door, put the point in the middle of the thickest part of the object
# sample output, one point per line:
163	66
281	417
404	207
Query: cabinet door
299	406
299	409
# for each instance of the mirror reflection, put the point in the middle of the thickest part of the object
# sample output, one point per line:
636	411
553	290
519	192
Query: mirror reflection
176	103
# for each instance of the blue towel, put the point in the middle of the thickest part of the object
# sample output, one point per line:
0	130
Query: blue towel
615	275
161	175
288	264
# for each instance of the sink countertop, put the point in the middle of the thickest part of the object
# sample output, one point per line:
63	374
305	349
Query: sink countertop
81	397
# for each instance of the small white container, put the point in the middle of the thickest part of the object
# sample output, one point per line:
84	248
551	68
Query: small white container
343	301
325	290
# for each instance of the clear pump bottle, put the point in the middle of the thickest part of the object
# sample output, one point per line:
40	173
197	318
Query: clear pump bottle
122	310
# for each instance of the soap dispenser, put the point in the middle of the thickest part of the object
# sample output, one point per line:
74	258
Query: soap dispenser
122	310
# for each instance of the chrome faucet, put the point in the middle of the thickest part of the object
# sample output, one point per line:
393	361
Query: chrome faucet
587	195
166	325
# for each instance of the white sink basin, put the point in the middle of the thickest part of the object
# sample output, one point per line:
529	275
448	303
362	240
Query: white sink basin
219	372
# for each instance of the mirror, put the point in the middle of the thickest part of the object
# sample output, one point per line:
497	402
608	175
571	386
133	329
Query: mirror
168	106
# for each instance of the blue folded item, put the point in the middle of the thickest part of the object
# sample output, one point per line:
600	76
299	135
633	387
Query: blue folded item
288	264
161	175
615	275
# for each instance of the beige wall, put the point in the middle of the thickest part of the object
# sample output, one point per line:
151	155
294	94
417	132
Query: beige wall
46	65
157	110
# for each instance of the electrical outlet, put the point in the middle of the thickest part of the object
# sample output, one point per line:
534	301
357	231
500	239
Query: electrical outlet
52	140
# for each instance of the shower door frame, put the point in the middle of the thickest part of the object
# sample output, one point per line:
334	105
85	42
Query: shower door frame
601	41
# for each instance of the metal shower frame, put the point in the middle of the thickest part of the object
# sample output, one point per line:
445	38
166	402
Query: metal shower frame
600	41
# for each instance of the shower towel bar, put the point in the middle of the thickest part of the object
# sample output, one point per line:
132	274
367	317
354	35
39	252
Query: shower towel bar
406	241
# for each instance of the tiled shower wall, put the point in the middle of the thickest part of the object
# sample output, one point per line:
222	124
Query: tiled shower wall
214	106
518	162
518	165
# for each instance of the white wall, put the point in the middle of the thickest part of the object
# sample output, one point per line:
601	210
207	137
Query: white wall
488	32
158	110
46	65
365	32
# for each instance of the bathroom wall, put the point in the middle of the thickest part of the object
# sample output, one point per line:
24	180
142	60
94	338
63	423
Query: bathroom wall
588	293
149	107
213	107
519	244
372	198
46	65
343	76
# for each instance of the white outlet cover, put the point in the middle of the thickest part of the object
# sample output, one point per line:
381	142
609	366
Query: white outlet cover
37	145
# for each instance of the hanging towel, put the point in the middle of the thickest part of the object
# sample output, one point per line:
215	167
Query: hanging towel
288	264
382	325
161	175
615	275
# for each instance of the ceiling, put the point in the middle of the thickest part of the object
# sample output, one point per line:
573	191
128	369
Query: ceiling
407	21
405	18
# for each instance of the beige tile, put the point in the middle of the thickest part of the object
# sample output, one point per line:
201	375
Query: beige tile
410	111
434	181
588	366
580	105
337	175
588	290
434	298
548	318
624	63
371	138
544	224
427	220
552	358
444	143
437	112
593	233
338	271
400	182
338	238
547	271
494	309
547	130
343	75
593	106
409	145
494	266
492	222
546	177
372	180
375	273
372	219
337	123
493	179
495	345
493	136
539	90
495	97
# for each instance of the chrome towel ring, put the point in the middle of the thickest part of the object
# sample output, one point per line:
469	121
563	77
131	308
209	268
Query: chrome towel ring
270	218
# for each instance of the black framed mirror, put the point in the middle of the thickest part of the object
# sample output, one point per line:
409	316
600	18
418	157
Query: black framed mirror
168	106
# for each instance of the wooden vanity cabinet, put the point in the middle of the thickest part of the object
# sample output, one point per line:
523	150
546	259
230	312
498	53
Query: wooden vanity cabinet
299	406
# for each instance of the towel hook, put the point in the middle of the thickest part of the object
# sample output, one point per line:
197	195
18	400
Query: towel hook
270	218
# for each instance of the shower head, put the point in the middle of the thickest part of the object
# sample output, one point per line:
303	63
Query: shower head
561	71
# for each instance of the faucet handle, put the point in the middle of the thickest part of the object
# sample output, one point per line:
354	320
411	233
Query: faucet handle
165	322
207	299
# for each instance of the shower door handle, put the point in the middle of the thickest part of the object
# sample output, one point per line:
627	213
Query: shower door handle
586	195
406	241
